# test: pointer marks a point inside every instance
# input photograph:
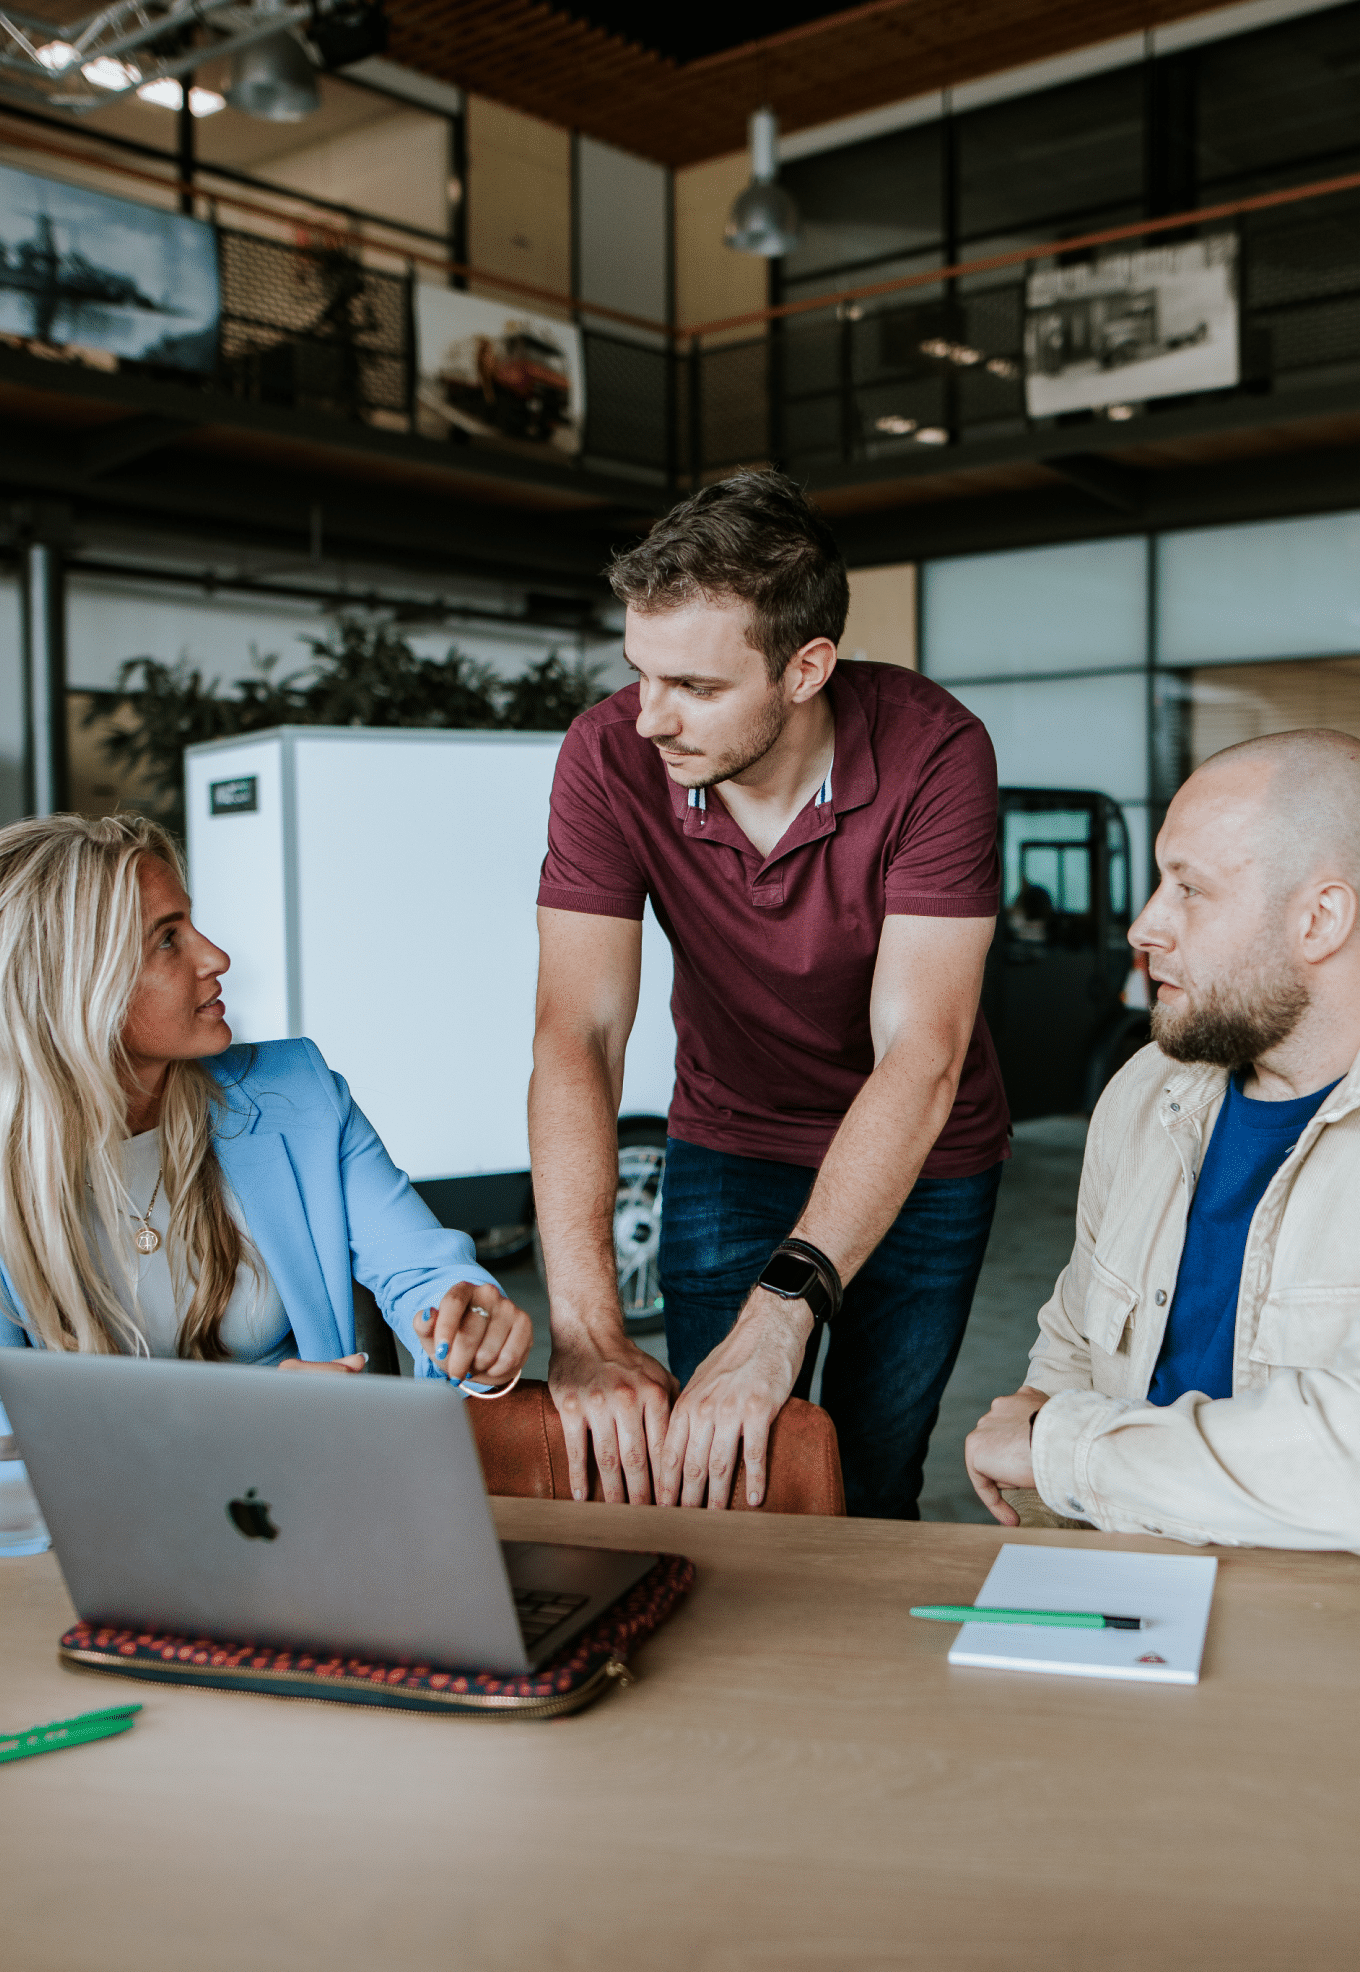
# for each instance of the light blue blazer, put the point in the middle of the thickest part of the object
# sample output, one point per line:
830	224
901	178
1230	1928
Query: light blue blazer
323	1202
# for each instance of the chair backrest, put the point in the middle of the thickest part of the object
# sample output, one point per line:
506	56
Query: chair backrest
524	1454
372	1334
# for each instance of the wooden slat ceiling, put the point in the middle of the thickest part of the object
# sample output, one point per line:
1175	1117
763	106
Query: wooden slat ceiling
541	60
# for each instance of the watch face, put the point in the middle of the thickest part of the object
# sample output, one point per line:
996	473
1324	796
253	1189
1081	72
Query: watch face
789	1275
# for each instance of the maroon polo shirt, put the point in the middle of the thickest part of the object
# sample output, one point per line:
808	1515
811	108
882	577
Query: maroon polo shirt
774	955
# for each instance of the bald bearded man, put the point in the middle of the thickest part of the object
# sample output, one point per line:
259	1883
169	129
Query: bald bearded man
1197	1372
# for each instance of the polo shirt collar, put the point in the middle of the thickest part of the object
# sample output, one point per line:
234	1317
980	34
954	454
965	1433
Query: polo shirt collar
698	796
856	768
851	782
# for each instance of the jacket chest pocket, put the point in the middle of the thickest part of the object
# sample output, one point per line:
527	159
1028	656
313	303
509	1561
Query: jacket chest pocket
1108	1314
1307	1327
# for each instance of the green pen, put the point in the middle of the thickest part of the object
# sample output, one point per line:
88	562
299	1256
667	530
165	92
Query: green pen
60	1733
1053	1619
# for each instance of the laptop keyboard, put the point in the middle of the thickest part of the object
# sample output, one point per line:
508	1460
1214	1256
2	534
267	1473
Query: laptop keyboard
541	1610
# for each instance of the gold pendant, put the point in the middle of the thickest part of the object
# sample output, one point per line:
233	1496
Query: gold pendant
148	1239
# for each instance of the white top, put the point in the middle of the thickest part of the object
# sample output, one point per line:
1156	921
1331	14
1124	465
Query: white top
255	1328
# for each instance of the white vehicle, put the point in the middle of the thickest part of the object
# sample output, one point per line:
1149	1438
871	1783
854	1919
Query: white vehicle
376	890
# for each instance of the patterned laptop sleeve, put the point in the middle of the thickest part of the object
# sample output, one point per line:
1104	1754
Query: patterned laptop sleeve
584	1669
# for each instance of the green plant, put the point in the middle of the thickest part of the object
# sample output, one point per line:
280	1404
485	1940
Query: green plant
366	674
362	673
176	708
548	696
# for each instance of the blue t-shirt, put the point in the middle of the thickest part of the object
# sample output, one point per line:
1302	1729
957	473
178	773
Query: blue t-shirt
1250	1142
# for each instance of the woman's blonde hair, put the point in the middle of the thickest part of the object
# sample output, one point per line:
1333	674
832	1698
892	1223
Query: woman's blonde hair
71	948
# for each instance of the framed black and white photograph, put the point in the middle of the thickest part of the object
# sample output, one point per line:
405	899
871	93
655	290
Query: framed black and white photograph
79	269
1131	326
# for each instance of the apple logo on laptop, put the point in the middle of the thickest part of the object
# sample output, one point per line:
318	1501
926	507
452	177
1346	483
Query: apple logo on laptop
250	1517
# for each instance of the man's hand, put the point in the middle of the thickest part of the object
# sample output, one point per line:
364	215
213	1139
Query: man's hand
731	1400
997	1453
476	1331
609	1390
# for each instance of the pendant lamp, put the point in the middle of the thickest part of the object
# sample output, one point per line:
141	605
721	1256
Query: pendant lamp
764	219
272	77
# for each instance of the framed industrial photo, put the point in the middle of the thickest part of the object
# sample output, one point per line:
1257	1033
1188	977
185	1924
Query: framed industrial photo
490	369
83	270
1158	322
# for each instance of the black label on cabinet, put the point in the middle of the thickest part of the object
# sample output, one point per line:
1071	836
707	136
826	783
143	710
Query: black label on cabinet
233	797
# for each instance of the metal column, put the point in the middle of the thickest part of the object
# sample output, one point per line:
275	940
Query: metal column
47	778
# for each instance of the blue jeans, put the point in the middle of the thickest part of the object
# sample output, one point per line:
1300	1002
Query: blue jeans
894	1342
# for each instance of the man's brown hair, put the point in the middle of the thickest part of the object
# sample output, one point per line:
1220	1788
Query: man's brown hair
755	538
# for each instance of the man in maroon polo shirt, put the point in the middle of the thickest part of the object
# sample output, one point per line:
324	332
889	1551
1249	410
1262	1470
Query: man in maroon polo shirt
819	846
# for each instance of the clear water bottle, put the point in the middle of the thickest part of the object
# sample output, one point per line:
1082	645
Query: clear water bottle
22	1528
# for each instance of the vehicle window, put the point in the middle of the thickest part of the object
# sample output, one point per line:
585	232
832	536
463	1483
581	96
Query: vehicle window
1117	839
1046	858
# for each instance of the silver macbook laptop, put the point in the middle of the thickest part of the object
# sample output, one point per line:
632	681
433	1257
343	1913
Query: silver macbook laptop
344	1513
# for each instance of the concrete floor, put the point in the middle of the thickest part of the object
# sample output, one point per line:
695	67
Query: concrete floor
1030	1243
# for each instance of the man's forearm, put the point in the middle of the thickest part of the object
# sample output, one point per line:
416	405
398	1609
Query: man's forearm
1272	1467
876	1156
573	1150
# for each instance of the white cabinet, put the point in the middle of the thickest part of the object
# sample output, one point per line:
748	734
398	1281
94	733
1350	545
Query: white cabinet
376	892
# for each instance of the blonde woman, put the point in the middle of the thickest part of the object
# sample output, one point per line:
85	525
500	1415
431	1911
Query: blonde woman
165	1193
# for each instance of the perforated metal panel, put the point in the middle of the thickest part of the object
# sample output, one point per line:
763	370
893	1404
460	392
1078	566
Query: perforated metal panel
311	326
627	408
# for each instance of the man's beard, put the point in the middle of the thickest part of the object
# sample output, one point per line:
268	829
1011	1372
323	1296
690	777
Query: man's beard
760	736
1230	1027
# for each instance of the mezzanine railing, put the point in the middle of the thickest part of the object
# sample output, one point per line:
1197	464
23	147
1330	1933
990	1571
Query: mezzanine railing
324	322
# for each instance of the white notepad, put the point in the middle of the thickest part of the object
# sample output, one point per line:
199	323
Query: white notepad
1173	1591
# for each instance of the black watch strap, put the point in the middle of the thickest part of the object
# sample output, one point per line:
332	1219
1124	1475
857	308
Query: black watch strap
818	1283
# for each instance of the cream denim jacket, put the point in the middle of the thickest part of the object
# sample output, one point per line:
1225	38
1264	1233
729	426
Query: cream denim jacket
1277	1464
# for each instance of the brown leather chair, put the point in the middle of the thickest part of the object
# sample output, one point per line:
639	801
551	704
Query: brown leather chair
524	1454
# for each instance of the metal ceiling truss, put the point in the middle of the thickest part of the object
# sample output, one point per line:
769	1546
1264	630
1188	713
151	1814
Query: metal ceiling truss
42	61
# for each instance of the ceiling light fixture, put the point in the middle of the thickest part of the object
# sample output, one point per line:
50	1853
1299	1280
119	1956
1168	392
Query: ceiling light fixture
272	78
167	94
143	45
106	73
895	426
952	352
764	219
1120	413
932	435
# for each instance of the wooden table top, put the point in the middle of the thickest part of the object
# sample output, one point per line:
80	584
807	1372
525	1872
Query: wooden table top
797	1780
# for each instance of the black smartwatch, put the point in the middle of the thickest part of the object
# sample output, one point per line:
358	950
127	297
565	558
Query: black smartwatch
799	1271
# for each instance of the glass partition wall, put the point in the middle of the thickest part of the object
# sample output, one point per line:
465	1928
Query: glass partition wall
1119	666
944	363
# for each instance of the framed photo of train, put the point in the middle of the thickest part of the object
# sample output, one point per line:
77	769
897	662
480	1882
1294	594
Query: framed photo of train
1131	326
81	270
494	370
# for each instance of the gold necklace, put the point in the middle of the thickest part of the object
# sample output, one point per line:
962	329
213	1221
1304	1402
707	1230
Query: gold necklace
146	1238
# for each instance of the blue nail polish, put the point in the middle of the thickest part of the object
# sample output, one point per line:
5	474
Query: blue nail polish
441	1352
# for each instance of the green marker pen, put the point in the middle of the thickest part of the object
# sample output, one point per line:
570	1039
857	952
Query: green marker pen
1053	1619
